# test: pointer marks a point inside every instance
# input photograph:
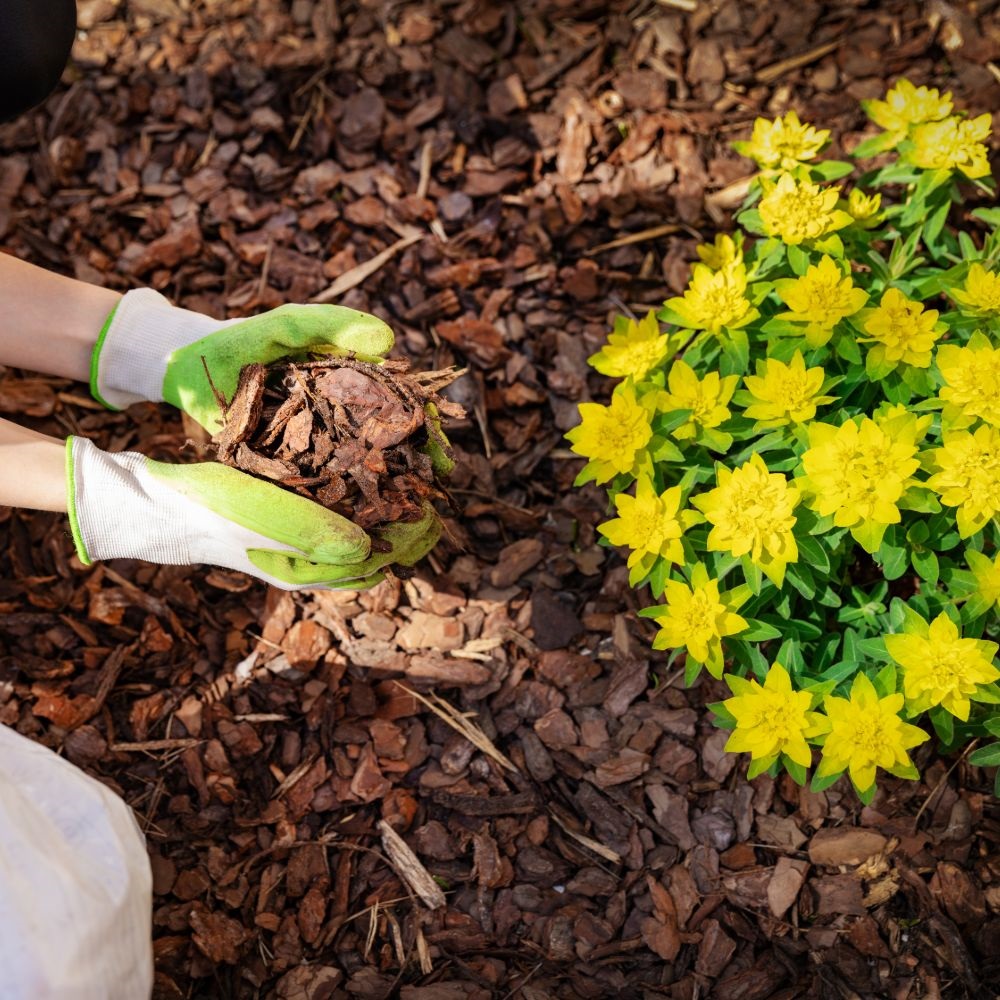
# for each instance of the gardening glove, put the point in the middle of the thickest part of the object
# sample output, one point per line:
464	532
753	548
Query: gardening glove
152	350
127	506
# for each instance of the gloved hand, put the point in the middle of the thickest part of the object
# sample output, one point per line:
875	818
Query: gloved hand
128	506
152	350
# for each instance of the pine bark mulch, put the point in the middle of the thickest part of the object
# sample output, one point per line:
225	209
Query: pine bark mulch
478	782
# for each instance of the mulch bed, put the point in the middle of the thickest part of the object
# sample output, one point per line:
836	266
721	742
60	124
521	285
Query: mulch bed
479	782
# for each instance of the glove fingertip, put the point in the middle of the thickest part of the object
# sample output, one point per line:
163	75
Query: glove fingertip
341	543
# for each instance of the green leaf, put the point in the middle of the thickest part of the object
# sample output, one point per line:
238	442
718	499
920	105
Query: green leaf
839	672
933	227
925	562
989	694
907	771
801	579
831	244
714	440
944	725
798	260
869	535
692	668
749	657
759	766
847	347
752	574
759	631
736	352
975	608
798	627
797	771
831	170
991	216
885	680
819	784
813	553
894	560
723	717
874	145
790	656
665	450
851	650
873	649
987	756
658	577
751	221
664	423
866	795
876	368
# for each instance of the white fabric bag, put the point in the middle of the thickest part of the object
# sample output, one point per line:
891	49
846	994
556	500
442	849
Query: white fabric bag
75	883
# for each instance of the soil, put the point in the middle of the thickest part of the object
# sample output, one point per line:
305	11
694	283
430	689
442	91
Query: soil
480	782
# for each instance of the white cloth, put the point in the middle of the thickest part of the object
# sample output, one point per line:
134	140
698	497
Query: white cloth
75	883
124	512
144	331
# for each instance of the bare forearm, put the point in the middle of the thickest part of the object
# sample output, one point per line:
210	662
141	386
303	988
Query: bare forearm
32	469
50	323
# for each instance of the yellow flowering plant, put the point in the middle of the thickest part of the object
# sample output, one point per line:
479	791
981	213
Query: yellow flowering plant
802	449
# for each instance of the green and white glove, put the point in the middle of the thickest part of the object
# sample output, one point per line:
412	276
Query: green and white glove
127	506
152	350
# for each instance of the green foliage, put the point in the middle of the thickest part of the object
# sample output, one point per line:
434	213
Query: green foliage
807	454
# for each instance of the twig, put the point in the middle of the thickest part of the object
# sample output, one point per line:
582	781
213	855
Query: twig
771	73
449	714
409	867
426	159
944	777
640	237
219	397
592	845
352	278
148	746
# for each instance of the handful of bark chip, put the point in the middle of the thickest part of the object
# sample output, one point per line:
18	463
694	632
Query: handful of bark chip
360	438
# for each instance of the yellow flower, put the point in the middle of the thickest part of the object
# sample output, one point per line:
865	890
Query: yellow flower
953	144
940	667
783	143
987	574
972	382
797	211
859	472
906	105
714	299
649	525
866	733
864	208
721	253
633	352
820	299
968	476
696	617
772	719
902	330
785	393
981	293
707	399
752	514
613	437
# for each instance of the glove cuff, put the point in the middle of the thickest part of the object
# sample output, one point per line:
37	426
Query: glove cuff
130	357
117	511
